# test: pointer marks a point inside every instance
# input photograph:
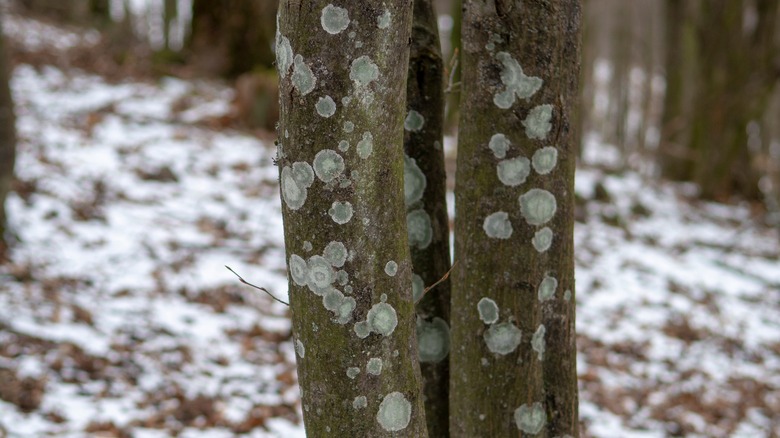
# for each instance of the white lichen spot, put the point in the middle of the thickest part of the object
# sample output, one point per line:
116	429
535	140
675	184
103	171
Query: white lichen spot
284	54
343	145
414	181
515	81
340	212
395	412
353	372
374	366
344	183
414	121
360	402
542	239
320	275
537	341
545	159
328	165
530	419
488	310
502	338
537	122
391	268
362	329
358	44
335	253
567	295
497	225
299	271
418	286
383	298
433	340
514	171
344	311
537	206
334	19
300	349
383	21
499	144
437	145
348	289
382	319
419	229
303	78
363	71
348	126
294	182
325	106
547	288
365	146
342	277
346	100
307	246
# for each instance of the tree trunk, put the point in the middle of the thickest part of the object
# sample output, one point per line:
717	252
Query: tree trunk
230	37
513	288
343	78
7	139
425	188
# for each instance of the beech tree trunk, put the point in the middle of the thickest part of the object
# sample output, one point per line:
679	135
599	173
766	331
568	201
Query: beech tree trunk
514	371
425	187
342	97
7	139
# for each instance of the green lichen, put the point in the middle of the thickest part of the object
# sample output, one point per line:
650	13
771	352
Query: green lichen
537	122
340	212
334	19
325	106
497	225
414	121
537	206
542	239
414	181
419	229
537	341
363	71
502	338
516	83
433	340
547	288
514	171
394	413
544	160
530	419
499	144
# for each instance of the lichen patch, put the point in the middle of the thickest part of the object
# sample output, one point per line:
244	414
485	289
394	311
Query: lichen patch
394	413
419	229
366	145
497	225
530	418
303	78
516	83
414	181
537	122
363	71
545	159
325	106
542	239
514	171
334	19
502	338
537	206
340	212
328	165
547	288
488	310
391	268
414	121
382	319
433	340
537	341
499	144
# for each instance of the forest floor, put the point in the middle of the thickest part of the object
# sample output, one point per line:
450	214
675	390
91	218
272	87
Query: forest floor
118	317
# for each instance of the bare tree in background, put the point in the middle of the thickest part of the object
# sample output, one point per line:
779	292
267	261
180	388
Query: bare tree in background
7	140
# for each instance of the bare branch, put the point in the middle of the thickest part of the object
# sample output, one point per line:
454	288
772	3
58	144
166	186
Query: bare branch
446	276
258	287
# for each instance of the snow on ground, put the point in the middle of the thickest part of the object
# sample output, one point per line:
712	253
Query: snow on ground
117	316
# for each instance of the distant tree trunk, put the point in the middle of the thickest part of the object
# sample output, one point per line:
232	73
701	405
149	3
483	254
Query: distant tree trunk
81	12
230	37
513	370
425	188
735	75
343	78
453	98
7	139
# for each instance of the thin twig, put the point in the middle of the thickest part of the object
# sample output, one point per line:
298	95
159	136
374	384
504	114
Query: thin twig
453	67
256	287
446	276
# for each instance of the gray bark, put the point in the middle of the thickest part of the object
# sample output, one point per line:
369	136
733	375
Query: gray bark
342	98
426	188
514	373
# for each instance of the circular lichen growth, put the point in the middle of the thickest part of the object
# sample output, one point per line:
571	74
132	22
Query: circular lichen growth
320	275
542	239
334	19
344	310
343	145
353	372
366	145
502	338
414	181
294	186
298	270
383	21
325	106
303	78
391	268
499	144
394	413
363	71
418	286
537	122
300	349
414	121
284	54
537	206
303	173
545	159
328	165
530	419
340	212
547	288
433	340
419	229
374	366
348	126
360	402
382	319
537	341
335	253
514	171
497	225
517	83
488	310
362	329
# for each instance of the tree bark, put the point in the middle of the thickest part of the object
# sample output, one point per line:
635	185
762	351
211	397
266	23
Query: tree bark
230	37
7	139
342	87
425	190
513	289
